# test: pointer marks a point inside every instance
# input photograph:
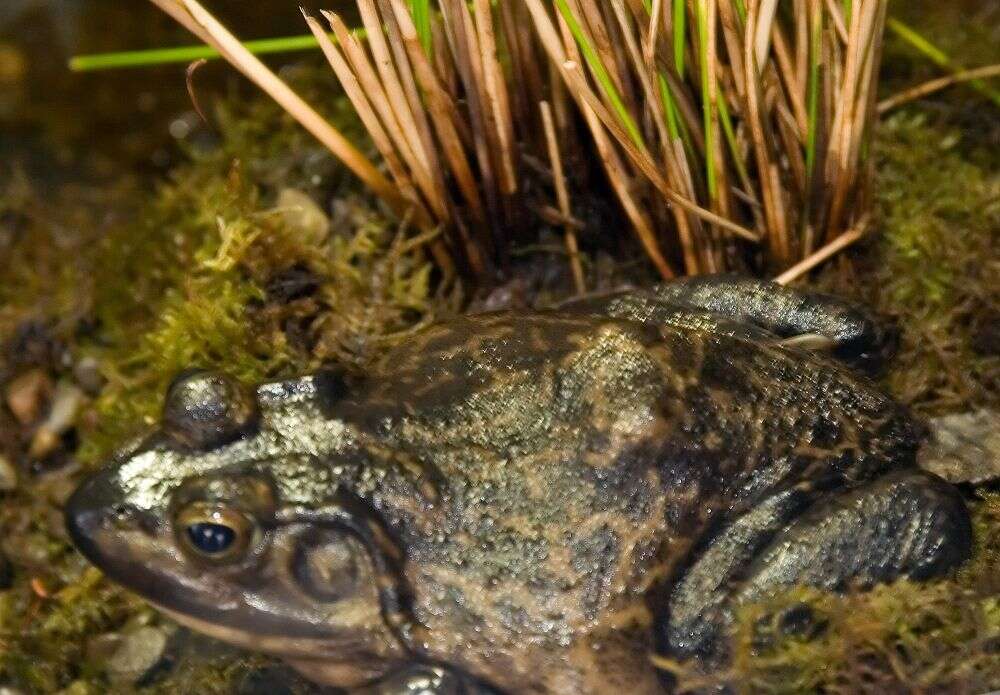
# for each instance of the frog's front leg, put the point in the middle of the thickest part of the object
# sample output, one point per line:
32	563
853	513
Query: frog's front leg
853	333
423	679
907	524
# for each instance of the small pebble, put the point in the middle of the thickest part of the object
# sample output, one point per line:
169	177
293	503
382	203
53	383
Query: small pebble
7	690
8	474
303	215
28	548
65	405
101	648
964	448
26	395
87	373
138	655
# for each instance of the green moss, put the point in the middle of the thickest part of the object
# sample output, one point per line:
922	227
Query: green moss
191	277
45	639
933	265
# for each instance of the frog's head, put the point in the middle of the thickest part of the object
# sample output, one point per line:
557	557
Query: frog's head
224	517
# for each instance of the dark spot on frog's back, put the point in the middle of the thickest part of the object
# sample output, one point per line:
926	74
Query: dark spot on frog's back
438	367
594	556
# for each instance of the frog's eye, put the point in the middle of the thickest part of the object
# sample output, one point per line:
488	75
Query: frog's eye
214	533
204	410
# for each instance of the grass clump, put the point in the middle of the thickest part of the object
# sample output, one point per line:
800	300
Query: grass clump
731	135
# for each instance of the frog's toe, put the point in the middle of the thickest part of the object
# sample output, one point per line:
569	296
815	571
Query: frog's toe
423	679
851	332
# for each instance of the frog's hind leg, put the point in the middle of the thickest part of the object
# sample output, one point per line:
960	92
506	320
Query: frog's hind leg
756	309
908	524
851	332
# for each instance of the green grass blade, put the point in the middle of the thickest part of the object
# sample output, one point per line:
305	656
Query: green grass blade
815	37
668	107
186	54
421	11
600	74
937	56
675	124
679	22
741	11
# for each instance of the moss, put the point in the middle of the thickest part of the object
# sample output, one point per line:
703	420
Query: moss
45	638
187	284
197	274
203	272
933	265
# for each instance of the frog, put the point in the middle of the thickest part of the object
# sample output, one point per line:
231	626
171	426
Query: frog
551	501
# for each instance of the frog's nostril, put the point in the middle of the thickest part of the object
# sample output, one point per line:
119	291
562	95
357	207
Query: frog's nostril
90	509
128	516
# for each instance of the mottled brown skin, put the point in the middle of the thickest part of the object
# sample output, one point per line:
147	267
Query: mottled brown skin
535	502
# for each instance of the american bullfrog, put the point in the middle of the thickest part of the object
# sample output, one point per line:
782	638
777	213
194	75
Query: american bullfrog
531	502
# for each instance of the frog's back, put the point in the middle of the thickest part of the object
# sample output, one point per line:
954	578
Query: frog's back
509	384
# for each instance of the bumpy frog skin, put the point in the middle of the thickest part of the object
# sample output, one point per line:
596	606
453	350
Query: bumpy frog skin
531	503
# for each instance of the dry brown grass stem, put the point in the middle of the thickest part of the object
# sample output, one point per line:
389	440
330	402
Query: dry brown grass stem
618	175
562	195
768	115
936	85
820	256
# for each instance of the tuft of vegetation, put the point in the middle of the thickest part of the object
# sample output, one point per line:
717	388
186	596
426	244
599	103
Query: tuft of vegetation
231	265
732	135
43	638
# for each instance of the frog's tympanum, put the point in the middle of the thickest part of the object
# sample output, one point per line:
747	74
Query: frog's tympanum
531	502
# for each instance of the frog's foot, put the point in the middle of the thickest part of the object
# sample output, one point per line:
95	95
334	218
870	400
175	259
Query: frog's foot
752	308
423	679
907	524
853	333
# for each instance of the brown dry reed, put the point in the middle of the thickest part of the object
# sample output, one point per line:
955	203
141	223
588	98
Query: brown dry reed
733	134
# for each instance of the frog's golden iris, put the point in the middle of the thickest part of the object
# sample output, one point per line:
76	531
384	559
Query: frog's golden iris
214	533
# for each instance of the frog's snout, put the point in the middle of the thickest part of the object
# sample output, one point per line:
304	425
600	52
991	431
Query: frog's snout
89	511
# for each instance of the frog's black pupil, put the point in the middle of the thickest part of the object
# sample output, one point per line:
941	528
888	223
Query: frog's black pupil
211	538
